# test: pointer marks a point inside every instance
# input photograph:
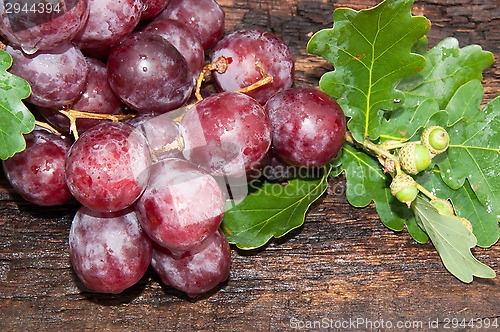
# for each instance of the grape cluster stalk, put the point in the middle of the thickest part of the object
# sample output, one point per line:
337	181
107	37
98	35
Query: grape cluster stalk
152	119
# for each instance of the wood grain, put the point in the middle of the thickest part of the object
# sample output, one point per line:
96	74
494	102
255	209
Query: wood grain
342	266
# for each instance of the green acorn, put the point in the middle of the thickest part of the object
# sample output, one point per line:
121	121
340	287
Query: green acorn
404	188
436	139
443	206
414	157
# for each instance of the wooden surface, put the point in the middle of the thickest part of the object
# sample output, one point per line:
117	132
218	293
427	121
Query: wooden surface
342	266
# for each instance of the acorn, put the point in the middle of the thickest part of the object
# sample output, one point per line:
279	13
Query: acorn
443	206
414	157
404	188
436	139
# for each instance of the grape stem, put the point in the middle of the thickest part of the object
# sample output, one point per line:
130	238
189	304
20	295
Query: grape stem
266	79
73	115
220	65
48	127
177	144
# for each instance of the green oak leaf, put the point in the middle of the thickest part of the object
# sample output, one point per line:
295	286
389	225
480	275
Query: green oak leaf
448	68
365	179
272	210
404	123
417	233
474	153
371	51
452	241
421	46
449	82
15	118
466	205
465	102
366	183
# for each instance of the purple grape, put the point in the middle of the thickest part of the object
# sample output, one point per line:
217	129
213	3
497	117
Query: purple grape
184	41
308	126
46	27
37	173
107	168
109	251
226	134
97	97
181	205
109	21
197	271
57	77
204	17
152	8
277	170
148	73
162	134
244	49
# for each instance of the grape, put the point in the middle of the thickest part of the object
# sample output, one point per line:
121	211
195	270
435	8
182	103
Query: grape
184	41
109	251
107	168
148	73
162	134
245	50
204	17
37	173
109	21
227	134
181	206
152	8
97	97
57	77
198	270
308	126
277	170
47	27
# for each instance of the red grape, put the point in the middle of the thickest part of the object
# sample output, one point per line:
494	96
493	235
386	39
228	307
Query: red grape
108	22
204	17
198	270
97	97
184	41
162	134
308	126
181	205
45	28
109	251
149	74
37	173
107	168
56	77
245	49
227	134
152	8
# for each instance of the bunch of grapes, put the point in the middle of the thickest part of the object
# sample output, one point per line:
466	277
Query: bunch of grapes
157	152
